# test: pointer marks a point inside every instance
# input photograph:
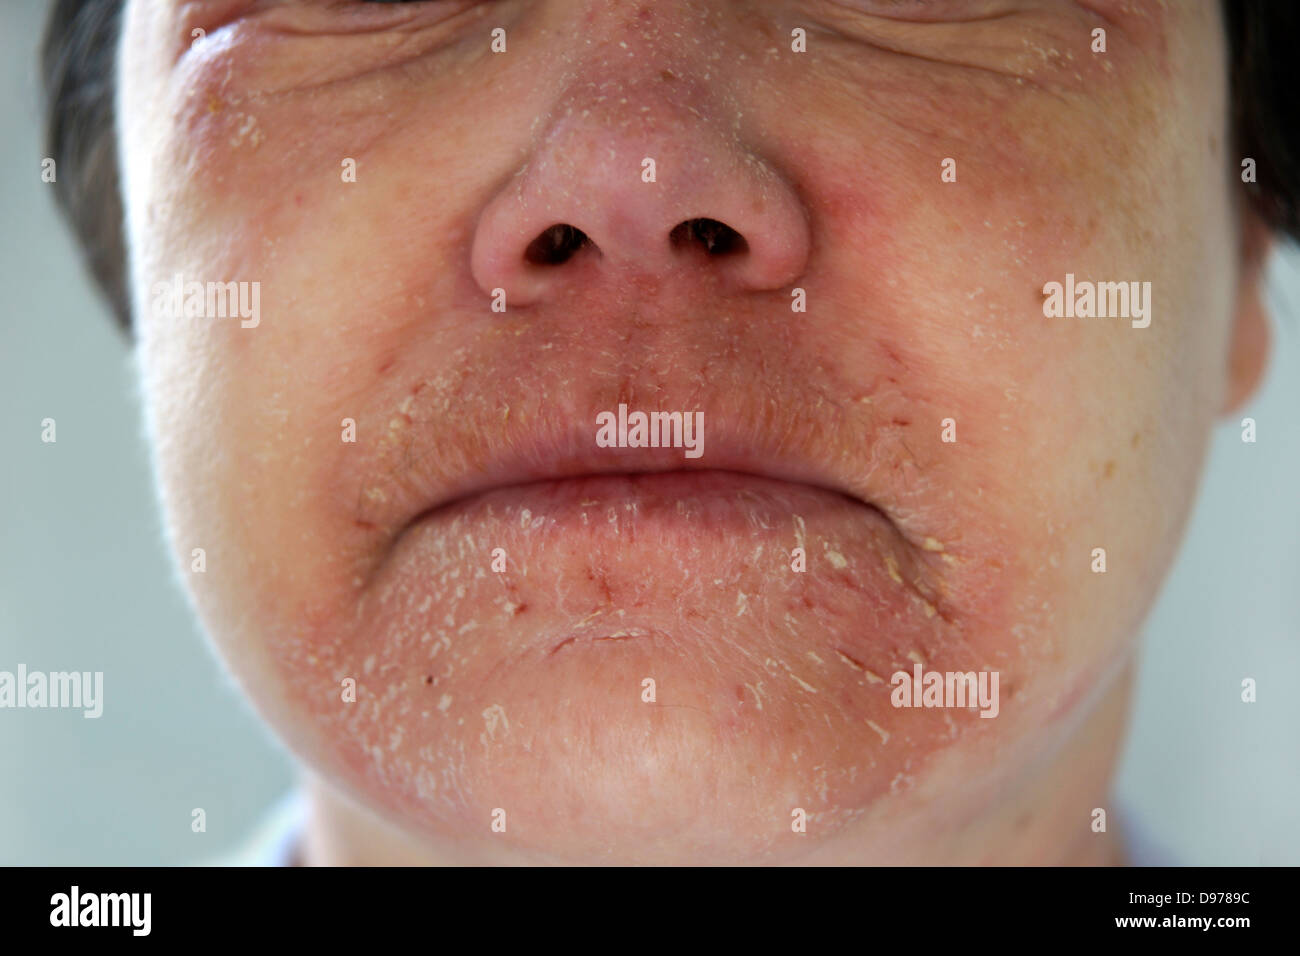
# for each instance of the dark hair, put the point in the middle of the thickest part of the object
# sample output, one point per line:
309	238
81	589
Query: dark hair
1265	123
78	79
78	73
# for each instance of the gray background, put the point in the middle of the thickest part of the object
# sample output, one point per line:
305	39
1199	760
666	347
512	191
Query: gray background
85	585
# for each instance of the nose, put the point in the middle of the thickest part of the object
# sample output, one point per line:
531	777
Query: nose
653	190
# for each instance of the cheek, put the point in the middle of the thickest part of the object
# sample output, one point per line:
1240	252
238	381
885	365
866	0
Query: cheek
1073	433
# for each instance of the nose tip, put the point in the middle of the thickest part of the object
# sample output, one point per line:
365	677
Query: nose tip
597	202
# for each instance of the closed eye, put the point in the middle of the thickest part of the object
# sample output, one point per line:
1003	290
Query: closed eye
932	11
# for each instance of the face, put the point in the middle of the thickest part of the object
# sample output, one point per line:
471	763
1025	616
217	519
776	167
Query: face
639	653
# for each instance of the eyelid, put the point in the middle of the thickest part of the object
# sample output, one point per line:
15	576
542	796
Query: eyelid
338	17
933	11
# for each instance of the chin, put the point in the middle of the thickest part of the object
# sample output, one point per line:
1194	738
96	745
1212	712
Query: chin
638	668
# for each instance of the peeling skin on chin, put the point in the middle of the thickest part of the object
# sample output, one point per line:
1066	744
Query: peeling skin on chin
686	581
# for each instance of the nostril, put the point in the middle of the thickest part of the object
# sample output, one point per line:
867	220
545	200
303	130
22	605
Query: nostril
556	245
717	238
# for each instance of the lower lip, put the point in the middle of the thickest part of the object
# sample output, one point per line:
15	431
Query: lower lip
656	545
697	502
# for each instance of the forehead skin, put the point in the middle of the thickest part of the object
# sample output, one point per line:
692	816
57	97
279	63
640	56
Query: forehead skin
925	303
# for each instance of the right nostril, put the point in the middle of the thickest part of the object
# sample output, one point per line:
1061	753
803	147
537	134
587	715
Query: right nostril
556	245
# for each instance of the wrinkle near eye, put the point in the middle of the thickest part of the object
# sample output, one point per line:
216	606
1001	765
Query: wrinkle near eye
291	50
1042	48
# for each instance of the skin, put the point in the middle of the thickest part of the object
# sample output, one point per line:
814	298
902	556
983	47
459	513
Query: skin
522	690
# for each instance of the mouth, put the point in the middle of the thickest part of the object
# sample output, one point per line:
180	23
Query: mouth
578	489
764	494
698	503
538	459
644	543
634	485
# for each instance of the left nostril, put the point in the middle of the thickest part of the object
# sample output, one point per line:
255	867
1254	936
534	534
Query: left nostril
717	238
